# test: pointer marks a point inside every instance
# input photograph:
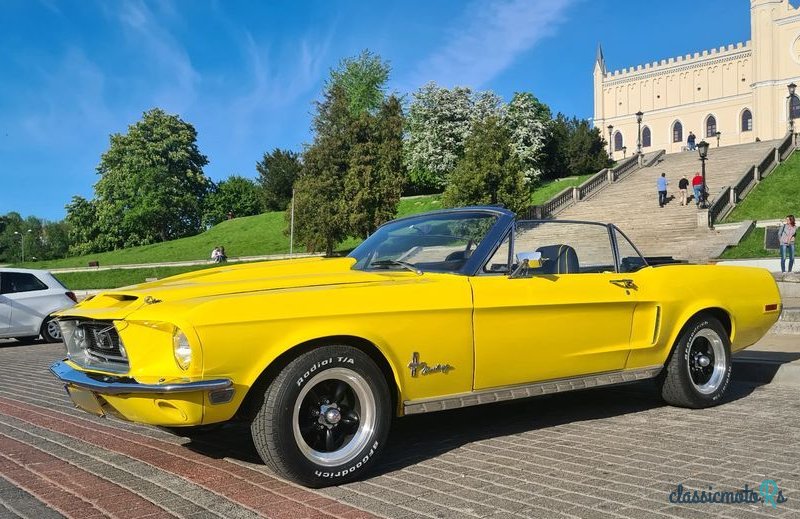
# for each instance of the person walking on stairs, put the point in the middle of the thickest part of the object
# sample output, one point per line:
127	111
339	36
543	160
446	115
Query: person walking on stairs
661	183
697	186
683	186
786	235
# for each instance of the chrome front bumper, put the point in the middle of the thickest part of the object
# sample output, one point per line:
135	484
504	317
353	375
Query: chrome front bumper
114	385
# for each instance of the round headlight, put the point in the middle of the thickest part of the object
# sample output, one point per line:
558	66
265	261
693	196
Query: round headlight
181	349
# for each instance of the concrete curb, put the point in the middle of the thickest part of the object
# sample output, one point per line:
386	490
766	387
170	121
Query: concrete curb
766	371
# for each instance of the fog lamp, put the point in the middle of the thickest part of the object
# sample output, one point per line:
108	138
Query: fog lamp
181	349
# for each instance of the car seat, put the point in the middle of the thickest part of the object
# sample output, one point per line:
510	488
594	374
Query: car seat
558	259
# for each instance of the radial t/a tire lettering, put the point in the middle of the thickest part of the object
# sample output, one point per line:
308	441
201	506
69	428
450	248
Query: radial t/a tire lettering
325	418
699	370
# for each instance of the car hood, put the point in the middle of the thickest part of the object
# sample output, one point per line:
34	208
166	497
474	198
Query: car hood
227	280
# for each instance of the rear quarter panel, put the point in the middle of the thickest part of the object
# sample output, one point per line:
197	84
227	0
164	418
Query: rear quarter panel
672	294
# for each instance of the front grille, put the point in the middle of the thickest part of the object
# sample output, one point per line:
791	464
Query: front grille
102	341
94	345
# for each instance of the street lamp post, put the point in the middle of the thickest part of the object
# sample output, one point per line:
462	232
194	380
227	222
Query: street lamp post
610	139
624	152
718	134
22	242
639	116
792	87
702	149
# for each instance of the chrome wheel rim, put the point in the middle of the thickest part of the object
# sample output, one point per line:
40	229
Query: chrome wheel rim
53	329
707	361
334	417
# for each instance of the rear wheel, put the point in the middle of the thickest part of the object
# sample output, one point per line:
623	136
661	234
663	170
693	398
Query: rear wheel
699	370
324	418
51	331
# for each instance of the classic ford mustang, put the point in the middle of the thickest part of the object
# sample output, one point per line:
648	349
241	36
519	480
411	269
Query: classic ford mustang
436	311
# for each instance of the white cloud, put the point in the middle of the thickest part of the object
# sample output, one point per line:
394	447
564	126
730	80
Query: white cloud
175	86
487	39
275	79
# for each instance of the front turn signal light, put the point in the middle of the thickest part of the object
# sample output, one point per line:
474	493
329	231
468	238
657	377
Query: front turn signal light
181	349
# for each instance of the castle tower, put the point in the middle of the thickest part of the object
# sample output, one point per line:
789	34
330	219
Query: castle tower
599	75
763	14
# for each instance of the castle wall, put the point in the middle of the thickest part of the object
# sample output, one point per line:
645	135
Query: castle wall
721	82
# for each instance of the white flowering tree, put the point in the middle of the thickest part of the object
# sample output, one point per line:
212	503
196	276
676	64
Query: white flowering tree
528	121
439	121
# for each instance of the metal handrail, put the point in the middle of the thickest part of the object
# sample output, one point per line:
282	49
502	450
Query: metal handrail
785	147
719	205
743	184
766	162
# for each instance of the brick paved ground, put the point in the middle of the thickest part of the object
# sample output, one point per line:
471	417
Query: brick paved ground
605	453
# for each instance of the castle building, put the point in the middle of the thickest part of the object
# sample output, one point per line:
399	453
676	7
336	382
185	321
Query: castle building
736	93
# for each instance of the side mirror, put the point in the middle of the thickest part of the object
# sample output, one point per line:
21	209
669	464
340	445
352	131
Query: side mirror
525	261
533	259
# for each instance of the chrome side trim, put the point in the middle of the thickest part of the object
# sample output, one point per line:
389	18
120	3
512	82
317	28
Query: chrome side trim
111	385
487	396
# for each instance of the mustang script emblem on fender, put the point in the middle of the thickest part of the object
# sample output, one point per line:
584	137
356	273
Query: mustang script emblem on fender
423	367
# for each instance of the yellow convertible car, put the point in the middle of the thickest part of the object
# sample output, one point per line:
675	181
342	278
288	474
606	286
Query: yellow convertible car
437	311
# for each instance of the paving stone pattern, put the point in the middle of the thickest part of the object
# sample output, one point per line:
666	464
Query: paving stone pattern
614	452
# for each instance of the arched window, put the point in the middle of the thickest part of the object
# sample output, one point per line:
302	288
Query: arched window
711	126
794	107
677	132
747	121
646	137
618	141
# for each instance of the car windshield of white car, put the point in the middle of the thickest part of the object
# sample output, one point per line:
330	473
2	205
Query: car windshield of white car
431	243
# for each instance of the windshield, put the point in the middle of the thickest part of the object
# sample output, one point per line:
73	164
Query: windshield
429	243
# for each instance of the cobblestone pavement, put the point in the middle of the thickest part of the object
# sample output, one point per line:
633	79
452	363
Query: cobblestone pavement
615	452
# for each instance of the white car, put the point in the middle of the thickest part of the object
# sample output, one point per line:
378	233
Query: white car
27	298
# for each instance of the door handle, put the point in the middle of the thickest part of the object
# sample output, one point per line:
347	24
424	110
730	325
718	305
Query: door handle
624	283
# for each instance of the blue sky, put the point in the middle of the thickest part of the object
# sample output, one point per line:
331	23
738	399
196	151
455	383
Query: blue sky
245	74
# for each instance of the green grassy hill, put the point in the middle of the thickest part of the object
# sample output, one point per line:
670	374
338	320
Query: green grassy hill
772	199
775	197
248	236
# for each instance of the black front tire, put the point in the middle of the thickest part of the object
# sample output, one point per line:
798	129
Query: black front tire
699	370
325	418
50	330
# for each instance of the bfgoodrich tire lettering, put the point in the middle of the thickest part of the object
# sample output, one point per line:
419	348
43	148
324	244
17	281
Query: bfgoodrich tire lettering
325	417
699	369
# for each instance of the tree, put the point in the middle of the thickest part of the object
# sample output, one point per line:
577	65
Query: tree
490	172
374	180
277	172
363	81
320	218
573	148
528	121
152	185
83	230
237	196
587	149
439	122
352	173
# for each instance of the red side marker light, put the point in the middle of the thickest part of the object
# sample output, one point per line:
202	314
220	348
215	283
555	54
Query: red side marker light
771	308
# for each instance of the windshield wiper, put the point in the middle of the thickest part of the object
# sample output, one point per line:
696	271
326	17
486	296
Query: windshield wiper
391	262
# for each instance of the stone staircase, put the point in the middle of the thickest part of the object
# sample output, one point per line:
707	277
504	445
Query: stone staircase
632	202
